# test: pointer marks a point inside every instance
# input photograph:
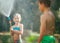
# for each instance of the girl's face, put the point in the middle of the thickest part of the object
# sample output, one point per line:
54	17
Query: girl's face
17	19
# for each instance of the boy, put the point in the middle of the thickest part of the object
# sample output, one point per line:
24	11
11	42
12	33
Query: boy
47	22
17	28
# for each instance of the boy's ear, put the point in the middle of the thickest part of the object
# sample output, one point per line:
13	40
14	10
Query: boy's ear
42	4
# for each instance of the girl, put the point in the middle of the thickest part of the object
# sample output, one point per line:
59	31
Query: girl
17	28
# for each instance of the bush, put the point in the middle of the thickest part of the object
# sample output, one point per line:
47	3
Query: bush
32	39
5	38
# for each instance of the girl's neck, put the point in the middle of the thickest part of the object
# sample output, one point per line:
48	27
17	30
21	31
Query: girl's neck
17	24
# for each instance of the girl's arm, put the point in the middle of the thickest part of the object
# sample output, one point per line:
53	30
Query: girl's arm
42	28
19	32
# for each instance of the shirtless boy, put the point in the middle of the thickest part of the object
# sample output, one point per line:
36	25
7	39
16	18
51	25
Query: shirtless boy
47	22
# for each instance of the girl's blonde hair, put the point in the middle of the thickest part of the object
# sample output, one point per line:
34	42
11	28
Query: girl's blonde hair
19	16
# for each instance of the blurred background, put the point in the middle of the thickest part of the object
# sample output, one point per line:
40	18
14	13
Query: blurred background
30	18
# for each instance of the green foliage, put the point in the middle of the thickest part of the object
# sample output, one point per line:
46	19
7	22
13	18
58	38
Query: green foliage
32	39
5	38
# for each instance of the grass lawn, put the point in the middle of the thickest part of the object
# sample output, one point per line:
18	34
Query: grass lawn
5	37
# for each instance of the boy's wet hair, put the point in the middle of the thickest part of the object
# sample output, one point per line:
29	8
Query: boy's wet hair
47	3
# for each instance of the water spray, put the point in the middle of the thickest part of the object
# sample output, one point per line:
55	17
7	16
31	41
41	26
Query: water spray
6	7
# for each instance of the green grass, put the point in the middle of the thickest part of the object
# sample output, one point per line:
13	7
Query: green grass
33	38
6	39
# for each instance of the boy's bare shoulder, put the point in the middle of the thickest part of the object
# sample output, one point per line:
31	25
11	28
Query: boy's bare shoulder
43	17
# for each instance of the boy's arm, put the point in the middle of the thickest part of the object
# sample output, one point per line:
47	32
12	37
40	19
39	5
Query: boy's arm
42	28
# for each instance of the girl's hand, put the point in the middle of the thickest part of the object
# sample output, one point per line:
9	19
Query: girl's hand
17	32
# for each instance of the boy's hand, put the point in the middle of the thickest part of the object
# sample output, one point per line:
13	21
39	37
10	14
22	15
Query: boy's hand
39	40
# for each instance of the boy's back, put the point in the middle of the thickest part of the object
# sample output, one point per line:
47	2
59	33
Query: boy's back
50	22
